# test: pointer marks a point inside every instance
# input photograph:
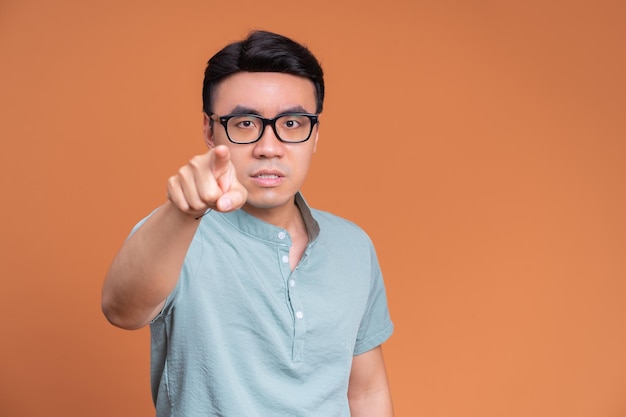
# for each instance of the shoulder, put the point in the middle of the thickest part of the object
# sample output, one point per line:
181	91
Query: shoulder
339	228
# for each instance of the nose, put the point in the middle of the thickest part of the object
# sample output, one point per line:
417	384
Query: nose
268	146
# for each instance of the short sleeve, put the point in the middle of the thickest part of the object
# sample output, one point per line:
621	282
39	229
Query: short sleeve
376	325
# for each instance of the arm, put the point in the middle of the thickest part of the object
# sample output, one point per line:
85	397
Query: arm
146	269
368	389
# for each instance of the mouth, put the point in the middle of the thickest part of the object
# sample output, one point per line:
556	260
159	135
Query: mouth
267	178
267	174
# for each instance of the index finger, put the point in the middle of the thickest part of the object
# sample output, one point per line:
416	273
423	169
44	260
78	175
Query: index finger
221	167
219	161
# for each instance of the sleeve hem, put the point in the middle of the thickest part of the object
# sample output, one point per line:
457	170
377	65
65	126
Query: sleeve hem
374	341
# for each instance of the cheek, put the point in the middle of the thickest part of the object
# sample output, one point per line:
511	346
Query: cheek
304	162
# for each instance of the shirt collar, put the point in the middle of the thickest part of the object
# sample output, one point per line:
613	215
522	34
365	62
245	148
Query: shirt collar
255	227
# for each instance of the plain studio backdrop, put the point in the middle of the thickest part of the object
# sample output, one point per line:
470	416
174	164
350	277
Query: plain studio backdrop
481	144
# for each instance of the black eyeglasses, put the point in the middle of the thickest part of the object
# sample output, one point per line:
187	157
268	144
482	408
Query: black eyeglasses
248	128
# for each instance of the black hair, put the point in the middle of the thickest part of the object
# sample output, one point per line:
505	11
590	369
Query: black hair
262	51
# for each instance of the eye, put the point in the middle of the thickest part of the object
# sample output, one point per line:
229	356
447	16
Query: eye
243	122
292	122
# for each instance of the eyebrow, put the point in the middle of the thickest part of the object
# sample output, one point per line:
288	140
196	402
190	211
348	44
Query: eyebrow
249	110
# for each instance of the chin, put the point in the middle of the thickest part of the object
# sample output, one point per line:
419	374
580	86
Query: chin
269	200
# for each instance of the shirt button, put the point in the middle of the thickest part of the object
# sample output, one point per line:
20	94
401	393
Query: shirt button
299	314
285	258
281	235
292	283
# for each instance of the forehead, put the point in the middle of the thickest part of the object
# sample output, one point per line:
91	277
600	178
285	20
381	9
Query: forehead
267	93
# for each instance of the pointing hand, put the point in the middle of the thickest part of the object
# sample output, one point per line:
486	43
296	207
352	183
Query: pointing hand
208	181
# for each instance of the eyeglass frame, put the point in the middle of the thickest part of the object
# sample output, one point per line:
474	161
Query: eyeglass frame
223	120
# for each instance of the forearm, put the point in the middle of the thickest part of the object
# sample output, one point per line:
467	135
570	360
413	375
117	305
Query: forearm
147	267
375	403
368	389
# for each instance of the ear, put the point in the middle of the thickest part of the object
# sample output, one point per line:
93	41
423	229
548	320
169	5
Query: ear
317	133
207	132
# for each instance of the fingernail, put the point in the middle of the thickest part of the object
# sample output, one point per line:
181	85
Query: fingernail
225	203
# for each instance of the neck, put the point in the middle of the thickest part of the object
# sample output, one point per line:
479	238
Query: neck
287	217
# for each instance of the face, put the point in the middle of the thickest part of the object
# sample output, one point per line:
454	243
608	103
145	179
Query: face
272	171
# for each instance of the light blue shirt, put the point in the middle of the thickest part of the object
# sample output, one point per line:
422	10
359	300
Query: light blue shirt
242	335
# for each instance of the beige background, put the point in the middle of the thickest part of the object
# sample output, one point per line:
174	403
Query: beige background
481	144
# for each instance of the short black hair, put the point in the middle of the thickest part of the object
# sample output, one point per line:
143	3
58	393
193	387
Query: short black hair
262	51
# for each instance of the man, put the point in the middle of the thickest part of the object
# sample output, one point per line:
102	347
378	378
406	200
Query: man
258	305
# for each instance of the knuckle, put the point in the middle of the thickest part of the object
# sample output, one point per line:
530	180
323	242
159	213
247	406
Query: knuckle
172	182
196	206
208	195
183	172
196	162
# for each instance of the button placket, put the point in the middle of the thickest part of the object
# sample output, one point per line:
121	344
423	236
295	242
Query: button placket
293	297
299	320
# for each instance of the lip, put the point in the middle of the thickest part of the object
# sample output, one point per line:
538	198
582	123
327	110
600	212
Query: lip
267	177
